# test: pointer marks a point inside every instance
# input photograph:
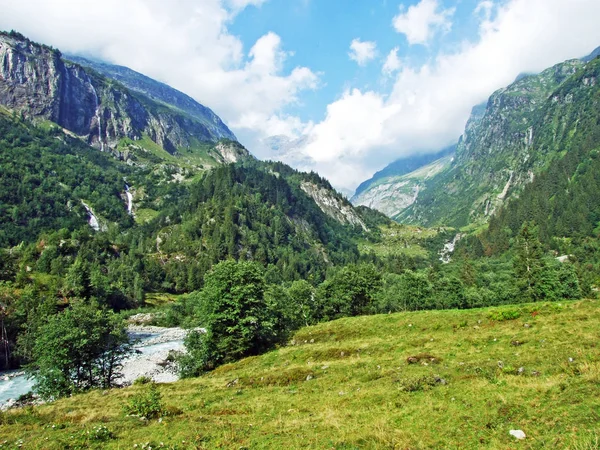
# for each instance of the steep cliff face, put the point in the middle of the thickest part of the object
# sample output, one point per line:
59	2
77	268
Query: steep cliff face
500	151
391	195
161	93
36	81
332	205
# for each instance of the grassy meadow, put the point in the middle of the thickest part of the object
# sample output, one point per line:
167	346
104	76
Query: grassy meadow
420	380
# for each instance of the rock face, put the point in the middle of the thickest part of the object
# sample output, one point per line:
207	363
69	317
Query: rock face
522	128
230	152
335	207
402	166
38	82
161	93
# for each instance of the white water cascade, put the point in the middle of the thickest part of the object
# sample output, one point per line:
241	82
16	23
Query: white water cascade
446	252
98	117
129	200
93	221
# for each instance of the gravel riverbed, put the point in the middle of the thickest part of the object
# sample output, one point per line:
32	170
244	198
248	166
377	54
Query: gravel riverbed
149	358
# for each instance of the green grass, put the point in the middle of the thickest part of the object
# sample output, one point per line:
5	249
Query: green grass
397	239
145	215
350	384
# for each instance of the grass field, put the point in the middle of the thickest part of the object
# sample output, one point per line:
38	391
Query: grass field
437	379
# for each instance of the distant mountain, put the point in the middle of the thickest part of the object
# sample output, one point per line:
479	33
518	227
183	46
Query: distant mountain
396	187
403	166
136	123
595	54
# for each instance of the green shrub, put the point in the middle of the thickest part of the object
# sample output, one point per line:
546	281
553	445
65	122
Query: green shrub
420	383
101	433
142	380
147	403
507	314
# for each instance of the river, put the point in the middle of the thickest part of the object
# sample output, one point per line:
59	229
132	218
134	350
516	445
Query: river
147	359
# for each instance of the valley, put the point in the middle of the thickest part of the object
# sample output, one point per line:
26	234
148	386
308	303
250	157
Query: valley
450	303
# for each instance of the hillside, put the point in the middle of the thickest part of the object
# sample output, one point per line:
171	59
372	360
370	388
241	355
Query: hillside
563	200
497	156
445	379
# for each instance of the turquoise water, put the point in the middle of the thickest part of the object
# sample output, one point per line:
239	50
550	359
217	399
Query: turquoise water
19	385
14	387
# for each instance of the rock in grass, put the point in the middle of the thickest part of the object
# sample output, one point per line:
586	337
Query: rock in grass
518	434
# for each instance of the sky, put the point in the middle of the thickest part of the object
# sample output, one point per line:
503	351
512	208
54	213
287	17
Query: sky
342	87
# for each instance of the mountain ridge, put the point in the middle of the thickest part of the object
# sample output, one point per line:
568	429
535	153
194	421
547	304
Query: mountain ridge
483	177
38	82
159	91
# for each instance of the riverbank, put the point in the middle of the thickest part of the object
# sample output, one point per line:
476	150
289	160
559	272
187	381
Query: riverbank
152	357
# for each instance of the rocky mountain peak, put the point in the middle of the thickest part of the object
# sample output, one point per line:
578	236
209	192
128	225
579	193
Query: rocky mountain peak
36	81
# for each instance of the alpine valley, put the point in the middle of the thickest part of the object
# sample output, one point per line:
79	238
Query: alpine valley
450	304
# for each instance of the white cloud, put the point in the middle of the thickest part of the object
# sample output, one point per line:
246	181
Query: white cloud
238	5
428	106
484	9
422	21
392	62
362	52
185	43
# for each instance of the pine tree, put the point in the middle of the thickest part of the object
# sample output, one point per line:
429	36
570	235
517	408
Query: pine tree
529	263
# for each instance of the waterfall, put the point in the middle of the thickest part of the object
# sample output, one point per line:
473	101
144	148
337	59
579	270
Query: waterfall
98	117
93	221
129	200
446	252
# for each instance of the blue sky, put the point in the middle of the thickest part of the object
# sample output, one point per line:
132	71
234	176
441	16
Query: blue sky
313	82
319	34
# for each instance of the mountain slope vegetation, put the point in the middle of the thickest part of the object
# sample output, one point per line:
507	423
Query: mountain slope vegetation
506	144
502	153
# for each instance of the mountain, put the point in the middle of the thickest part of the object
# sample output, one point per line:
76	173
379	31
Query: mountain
397	186
137	125
496	157
595	54
524	127
563	200
403	166
160	92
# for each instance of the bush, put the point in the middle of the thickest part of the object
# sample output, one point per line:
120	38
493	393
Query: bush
101	433
507	314
78	349
237	318
147	403
142	380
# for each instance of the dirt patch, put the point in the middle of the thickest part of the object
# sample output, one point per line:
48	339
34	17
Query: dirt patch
423	359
